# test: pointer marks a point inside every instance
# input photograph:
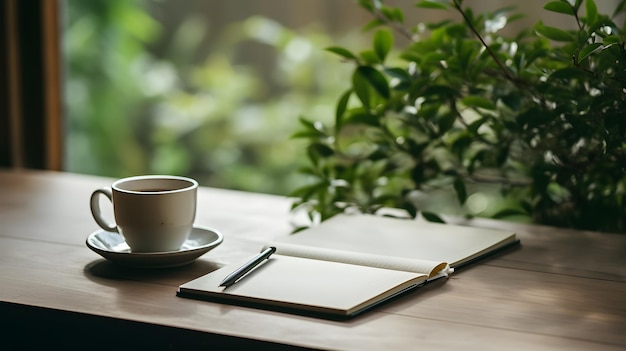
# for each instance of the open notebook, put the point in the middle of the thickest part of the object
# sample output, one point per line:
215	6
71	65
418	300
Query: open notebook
349	264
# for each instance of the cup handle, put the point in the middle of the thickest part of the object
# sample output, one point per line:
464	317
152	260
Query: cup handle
95	209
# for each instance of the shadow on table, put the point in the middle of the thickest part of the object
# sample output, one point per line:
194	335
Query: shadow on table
147	284
98	269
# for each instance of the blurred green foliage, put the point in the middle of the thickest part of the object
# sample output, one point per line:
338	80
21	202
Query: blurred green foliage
537	116
133	108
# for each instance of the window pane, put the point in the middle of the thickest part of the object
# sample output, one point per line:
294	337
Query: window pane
208	89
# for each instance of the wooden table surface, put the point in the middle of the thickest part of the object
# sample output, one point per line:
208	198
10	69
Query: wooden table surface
561	289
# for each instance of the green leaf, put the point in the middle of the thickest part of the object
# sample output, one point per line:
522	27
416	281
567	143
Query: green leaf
393	14
321	149
383	41
310	130
373	24
503	155
611	39
432	217
474	126
577	4
508	212
560	7
553	33
361	88
362	117
592	12
306	191
416	148
341	108
399	73
342	52
308	171
369	57
461	142
477	160
376	79
534	117
307	134
588	50
430	4
445	122
381	153
401	79
410	208
461	191
568	74
442	91
478	101
366	4
417	173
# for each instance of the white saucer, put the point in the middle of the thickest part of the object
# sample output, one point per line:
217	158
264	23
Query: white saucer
112	246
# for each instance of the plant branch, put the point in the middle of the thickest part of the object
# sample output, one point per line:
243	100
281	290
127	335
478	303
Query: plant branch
505	70
394	25
498	180
575	12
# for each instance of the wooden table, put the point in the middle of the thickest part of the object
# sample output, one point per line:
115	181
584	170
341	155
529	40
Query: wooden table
562	289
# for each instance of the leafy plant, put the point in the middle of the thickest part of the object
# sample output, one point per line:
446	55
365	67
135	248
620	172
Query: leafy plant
540	115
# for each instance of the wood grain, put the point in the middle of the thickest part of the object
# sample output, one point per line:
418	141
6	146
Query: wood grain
561	289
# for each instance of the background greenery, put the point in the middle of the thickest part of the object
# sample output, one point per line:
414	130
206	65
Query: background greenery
145	95
537	116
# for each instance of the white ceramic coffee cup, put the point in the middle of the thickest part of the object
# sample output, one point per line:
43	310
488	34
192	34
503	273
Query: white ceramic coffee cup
153	212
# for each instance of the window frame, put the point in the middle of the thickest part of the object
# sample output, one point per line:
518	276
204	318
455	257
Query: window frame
31	88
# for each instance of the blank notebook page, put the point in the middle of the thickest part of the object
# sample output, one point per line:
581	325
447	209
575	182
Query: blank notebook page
302	281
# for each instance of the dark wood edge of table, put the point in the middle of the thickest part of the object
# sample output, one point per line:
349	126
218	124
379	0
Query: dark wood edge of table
34	327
